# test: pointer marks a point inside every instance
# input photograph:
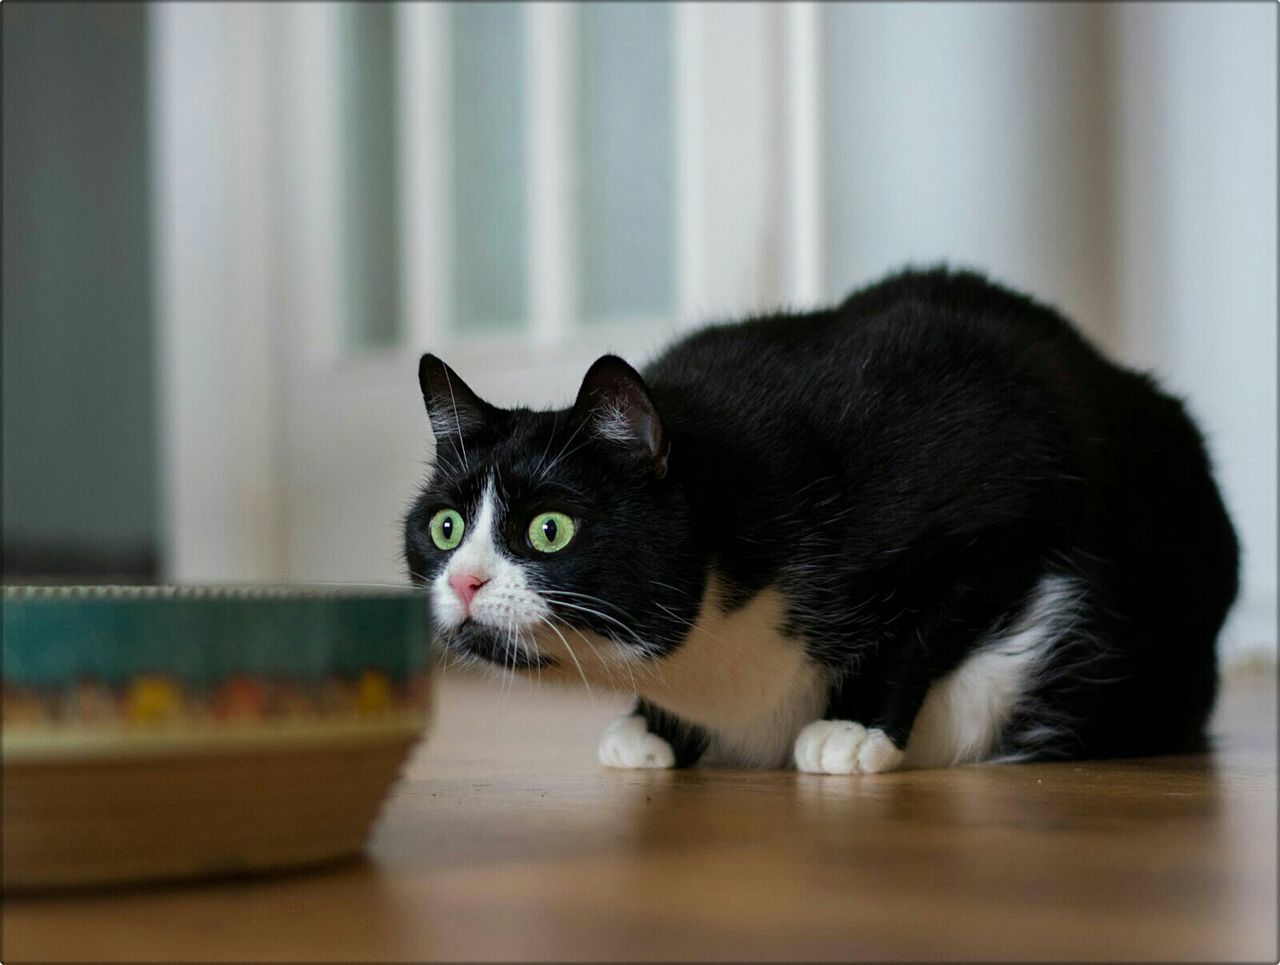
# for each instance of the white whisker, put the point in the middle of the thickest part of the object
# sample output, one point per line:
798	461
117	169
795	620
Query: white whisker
572	656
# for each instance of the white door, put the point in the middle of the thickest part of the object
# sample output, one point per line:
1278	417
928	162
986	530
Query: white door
517	188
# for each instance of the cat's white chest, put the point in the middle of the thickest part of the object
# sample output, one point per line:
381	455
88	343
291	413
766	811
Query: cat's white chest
739	678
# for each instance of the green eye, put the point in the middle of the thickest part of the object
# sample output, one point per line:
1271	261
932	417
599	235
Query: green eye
446	529
550	532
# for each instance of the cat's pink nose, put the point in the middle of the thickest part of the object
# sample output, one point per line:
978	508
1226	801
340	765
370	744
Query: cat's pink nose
465	586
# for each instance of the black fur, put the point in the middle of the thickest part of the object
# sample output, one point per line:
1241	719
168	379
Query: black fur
905	468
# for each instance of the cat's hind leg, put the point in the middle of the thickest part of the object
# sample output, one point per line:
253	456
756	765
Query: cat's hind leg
873	708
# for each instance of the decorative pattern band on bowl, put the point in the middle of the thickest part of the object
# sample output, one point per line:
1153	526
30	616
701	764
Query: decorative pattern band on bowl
80	660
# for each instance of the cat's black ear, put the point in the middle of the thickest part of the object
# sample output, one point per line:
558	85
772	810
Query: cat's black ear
453	408
616	405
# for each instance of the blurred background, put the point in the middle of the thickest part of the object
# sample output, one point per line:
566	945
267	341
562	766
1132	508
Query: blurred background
230	229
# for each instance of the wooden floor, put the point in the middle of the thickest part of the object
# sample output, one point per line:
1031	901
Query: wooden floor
506	840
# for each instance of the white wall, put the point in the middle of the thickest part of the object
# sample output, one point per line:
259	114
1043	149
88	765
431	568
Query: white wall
214	269
971	133
1196	223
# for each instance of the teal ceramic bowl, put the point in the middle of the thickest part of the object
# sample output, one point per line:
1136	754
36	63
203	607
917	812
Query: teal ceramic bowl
154	732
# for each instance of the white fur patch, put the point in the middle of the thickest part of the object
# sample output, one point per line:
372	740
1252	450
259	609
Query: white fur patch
447	420
735	675
611	424
740	679
845	747
628	743
505	602
966	711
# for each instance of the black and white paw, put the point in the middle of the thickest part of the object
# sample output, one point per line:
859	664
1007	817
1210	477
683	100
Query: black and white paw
628	743
845	747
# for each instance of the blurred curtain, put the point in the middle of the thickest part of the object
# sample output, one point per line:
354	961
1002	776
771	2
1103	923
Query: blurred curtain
80	461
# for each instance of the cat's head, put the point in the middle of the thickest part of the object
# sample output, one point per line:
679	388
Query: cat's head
548	537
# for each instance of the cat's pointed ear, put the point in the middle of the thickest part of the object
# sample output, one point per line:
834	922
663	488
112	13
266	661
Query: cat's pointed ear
451	405
616	405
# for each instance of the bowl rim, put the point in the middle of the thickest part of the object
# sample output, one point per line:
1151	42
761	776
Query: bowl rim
15	593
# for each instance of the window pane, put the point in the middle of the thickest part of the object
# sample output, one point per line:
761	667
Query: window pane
369	216
627	176
490	218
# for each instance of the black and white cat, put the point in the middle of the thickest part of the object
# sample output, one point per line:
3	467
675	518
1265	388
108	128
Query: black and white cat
927	527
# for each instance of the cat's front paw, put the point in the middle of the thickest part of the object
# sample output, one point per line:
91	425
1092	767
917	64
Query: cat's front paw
628	743
845	747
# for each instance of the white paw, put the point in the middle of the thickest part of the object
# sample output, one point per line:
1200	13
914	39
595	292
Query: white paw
628	743
879	753
845	747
